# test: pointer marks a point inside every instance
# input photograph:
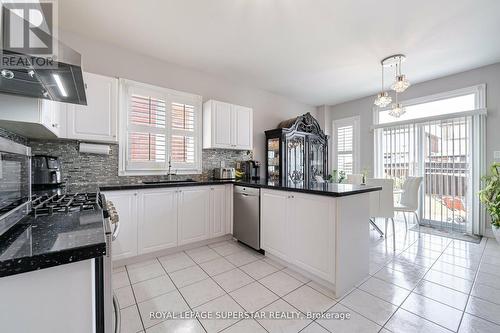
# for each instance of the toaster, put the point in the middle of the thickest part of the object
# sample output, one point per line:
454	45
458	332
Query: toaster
224	173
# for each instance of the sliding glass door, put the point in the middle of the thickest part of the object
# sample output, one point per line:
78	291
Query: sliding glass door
445	148
447	177
439	151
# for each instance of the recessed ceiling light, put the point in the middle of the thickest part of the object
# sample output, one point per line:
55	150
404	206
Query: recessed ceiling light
7	74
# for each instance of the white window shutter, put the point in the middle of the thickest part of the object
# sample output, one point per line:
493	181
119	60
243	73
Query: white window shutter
161	126
345	141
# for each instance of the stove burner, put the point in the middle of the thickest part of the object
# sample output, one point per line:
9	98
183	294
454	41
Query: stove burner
63	203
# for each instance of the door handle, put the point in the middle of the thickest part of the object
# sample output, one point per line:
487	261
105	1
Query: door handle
118	317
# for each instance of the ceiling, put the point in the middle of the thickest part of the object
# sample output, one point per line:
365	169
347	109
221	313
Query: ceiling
314	51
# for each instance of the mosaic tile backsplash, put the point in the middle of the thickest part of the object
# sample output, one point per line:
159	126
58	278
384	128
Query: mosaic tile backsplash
85	169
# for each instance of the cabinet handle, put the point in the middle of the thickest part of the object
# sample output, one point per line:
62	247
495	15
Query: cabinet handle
55	125
135	193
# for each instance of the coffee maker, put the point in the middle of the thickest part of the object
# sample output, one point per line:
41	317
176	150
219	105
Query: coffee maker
251	169
46	171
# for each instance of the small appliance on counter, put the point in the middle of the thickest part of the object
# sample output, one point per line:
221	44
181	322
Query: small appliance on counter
46	171
251	169
224	173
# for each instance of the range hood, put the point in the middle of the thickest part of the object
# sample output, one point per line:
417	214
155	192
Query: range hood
61	81
57	76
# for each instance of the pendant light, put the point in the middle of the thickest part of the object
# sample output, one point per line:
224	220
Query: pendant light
383	99
397	109
402	82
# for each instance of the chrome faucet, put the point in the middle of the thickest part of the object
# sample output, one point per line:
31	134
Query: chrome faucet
169	174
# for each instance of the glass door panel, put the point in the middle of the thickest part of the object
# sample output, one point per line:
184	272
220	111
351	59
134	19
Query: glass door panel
316	159
273	160
295	150
447	173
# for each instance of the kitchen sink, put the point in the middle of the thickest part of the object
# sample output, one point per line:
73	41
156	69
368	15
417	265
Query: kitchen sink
170	181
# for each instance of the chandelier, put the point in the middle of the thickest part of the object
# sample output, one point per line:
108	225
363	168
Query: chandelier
400	84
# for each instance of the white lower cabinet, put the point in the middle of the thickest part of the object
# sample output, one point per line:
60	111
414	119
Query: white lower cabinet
125	202
194	214
300	229
157	223
218	211
274	228
157	219
312	234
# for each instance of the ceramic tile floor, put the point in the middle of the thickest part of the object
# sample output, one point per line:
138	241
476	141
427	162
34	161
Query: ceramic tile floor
429	284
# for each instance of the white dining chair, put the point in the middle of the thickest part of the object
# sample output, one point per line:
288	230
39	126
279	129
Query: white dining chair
354	179
409	198
382	204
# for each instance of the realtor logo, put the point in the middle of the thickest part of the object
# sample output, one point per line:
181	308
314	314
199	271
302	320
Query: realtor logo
28	27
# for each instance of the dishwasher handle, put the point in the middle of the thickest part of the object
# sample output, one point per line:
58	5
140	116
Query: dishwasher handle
247	191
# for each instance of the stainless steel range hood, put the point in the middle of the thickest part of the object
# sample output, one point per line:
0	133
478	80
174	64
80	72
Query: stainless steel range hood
61	81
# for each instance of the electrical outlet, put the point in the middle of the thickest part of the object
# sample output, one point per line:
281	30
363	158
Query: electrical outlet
496	155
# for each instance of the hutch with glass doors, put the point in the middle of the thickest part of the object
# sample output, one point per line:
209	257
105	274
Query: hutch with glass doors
296	152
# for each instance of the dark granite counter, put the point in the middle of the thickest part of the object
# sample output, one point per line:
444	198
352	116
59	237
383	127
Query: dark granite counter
327	189
54	240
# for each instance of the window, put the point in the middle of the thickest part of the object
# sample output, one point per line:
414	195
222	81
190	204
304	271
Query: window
438	105
161	127
346	145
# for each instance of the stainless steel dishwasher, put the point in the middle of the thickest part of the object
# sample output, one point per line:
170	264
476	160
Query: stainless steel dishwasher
246	215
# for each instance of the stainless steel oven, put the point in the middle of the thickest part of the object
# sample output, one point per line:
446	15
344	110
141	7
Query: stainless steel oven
15	183
111	305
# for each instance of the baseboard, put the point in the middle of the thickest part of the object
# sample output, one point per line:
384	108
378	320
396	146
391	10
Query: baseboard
165	252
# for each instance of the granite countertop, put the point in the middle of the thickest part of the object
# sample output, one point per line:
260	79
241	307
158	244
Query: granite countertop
54	240
327	189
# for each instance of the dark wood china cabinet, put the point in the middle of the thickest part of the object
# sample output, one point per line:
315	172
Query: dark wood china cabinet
296	152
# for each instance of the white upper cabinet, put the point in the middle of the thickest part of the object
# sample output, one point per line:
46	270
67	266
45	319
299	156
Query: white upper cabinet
227	126
243	123
32	117
96	121
54	116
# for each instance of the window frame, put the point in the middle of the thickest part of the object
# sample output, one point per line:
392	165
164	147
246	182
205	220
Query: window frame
129	87
479	91
355	123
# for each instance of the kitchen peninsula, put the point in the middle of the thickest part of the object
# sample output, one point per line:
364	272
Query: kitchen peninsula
321	230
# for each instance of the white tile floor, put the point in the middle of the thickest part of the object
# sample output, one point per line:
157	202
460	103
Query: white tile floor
429	284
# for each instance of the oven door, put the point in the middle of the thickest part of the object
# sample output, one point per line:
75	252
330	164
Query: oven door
15	182
108	314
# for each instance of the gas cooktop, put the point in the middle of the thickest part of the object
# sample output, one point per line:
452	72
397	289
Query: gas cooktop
48	204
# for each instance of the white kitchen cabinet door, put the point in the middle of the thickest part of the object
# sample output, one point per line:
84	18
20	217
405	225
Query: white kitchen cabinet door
312	234
96	121
218	211
157	222
193	214
274	225
227	126
242	126
125	202
222	125
53	116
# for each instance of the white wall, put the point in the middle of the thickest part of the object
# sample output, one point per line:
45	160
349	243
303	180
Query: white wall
364	107
269	109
